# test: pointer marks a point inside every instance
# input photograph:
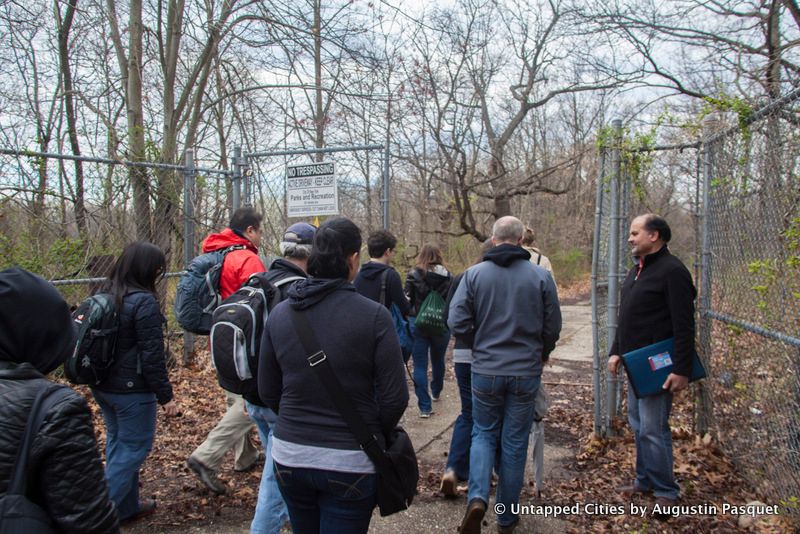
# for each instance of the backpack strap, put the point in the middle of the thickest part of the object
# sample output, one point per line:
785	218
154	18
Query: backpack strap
286	280
384	276
45	399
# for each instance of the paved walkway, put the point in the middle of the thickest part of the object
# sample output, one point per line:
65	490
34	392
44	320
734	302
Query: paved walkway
432	440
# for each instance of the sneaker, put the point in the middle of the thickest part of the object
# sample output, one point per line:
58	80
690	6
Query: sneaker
206	476
258	461
424	415
449	483
471	524
435	398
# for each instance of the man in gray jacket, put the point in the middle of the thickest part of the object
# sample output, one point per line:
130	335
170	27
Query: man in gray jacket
511	306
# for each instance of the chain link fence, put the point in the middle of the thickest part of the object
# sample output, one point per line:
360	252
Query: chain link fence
741	189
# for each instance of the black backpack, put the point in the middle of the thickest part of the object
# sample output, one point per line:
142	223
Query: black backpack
18	514
237	326
97	323
198	291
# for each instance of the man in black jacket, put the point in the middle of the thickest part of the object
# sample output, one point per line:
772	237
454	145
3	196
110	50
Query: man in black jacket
369	280
657	303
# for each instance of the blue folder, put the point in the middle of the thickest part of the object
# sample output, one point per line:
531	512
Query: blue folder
649	367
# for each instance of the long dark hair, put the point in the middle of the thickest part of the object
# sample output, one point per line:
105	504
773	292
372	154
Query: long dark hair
138	267
334	242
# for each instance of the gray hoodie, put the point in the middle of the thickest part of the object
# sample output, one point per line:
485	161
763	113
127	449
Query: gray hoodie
512	308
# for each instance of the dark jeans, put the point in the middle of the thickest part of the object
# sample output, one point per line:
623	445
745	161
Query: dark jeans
437	346
460	443
130	427
649	419
502	414
327	502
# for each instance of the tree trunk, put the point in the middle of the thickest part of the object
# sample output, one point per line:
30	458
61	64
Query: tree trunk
136	139
319	112
69	104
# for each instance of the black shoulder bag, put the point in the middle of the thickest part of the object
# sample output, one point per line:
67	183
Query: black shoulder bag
398	472
18	514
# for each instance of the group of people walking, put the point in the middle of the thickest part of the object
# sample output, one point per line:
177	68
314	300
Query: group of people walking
503	312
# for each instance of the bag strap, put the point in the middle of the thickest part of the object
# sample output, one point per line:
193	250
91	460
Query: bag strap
318	361
286	280
45	399
384	276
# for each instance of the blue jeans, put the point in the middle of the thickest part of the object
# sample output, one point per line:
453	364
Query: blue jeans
271	513
130	420
502	413
437	346
649	419
458	458
328	502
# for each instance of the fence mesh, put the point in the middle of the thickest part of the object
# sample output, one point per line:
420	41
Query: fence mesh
754	244
747	231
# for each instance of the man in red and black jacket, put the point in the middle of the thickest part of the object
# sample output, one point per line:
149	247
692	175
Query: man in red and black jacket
657	304
233	430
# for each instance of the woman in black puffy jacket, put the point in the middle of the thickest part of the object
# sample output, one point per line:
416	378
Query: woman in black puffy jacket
139	378
36	336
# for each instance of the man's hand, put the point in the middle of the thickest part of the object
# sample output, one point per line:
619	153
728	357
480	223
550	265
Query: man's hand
676	382
614	363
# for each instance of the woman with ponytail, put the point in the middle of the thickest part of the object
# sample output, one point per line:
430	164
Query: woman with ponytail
328	482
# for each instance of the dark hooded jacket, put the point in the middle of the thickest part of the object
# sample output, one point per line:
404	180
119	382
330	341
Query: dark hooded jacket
419	284
369	280
36	336
359	340
511	306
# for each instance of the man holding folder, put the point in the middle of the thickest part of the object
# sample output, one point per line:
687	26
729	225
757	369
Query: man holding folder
657	304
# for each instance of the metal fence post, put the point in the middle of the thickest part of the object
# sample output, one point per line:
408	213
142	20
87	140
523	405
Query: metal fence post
237	179
613	266
599	416
385	200
704	408
188	236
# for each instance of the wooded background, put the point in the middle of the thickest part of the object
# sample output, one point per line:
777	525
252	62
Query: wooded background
488	107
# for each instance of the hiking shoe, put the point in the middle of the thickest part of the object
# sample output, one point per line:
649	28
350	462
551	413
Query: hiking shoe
146	507
471	524
633	489
206	476
449	483
258	461
665	505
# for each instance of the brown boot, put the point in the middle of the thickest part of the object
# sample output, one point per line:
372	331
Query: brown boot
449	483
471	524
